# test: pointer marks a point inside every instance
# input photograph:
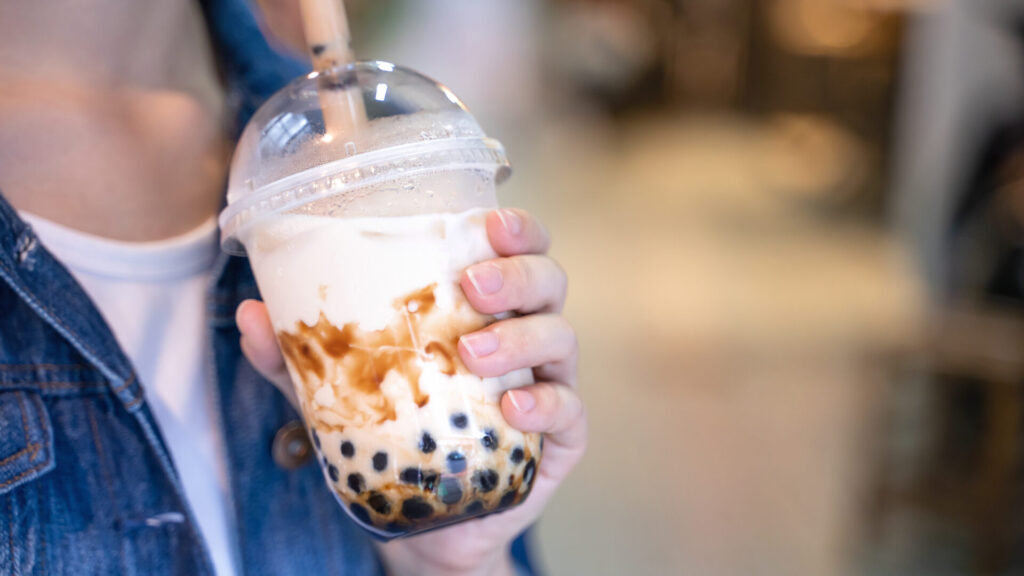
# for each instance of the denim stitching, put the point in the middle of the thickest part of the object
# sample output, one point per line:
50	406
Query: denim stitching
108	483
17	454
40	308
23	474
33	447
127	383
46	440
24	427
68	385
138	400
30	367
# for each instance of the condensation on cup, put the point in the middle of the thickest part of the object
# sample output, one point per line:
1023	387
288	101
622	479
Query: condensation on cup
358	241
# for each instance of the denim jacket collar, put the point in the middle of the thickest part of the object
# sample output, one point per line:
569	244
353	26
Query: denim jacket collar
50	290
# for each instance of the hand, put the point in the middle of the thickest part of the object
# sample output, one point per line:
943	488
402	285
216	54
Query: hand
522	280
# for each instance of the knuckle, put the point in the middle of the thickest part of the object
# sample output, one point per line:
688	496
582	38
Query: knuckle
563	275
571	411
564	327
541	234
545	239
523	272
576	410
514	337
562	286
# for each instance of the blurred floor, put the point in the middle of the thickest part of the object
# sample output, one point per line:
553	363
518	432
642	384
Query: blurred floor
734	336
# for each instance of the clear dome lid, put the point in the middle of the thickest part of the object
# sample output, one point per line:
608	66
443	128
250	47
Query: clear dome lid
329	133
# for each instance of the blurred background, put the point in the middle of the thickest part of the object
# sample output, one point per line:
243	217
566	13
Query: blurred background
794	231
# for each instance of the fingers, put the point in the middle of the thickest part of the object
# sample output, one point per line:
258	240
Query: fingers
513	232
525	284
545	342
555	410
260	345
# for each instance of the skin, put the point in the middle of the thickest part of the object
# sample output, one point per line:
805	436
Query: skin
131	145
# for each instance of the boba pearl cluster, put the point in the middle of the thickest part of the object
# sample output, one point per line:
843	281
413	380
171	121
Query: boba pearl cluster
429	496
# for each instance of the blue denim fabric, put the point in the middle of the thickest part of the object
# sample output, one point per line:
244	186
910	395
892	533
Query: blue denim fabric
87	485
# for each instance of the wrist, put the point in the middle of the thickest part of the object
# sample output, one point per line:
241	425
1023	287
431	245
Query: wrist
402	561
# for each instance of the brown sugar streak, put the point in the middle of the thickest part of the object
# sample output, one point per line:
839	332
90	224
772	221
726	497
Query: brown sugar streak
355	361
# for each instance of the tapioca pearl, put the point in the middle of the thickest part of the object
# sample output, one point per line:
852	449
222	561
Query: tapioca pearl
460	420
450	490
360	513
517	455
348	449
332	471
475	507
411	476
356	482
380	461
427	443
490	439
531	467
379	503
416	508
430	481
456	463
508	498
485	480
316	438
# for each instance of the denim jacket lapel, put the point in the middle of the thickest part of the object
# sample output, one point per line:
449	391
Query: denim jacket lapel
48	288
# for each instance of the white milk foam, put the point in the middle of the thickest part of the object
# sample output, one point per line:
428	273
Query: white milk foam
353	269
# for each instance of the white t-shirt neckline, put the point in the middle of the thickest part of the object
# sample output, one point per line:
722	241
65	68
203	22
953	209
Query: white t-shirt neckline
185	255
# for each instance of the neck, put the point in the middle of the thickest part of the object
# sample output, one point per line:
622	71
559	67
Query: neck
111	116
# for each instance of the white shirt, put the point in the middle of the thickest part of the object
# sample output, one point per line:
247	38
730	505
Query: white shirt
152	295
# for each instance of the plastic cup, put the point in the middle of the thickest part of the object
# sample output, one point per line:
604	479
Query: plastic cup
358	242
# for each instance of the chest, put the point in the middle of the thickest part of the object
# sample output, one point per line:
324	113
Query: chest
86	483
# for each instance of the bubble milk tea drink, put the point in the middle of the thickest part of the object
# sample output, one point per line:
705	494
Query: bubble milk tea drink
358	242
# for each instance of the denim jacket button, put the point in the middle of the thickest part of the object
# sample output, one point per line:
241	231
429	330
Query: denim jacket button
291	448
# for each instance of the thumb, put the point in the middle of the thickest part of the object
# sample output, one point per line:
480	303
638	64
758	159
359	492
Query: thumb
260	347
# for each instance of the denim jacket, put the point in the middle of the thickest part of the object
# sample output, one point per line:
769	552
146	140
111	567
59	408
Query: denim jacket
87	485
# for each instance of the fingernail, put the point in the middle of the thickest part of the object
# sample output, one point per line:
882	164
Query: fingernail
486	278
522	400
480	344
512	222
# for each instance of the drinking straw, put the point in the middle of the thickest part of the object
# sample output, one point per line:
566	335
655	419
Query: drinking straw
330	46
